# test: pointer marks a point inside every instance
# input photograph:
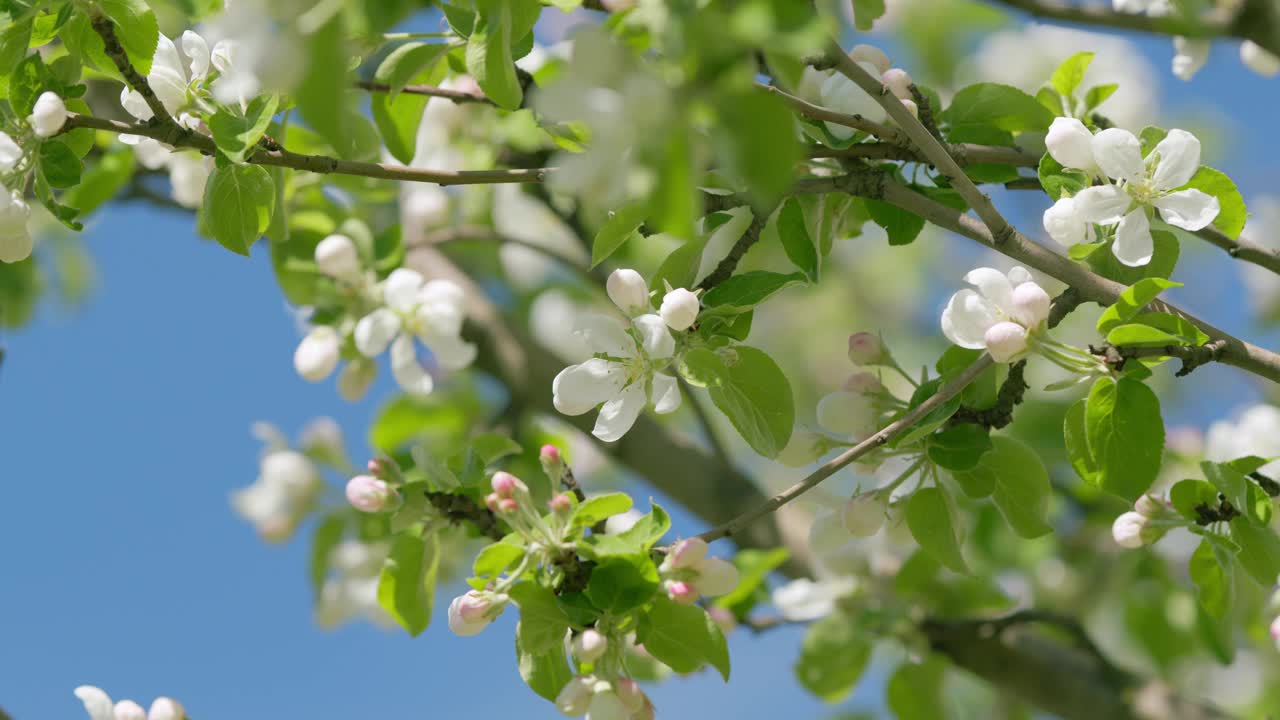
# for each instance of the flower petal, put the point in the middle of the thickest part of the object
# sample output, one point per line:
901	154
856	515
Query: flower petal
1259	60
579	388
1019	275
400	289
655	338
96	702
408	372
619	414
1064	223
665	394
1119	154
375	331
1104	204
198	50
450	350
994	286
966	319
1188	209
1178	158
1192	54
605	334
1133	245
1070	143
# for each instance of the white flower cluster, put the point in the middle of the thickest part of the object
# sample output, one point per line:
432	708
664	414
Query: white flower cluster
687	573
624	376
406	308
1191	54
835	91
1001	316
99	706
288	480
1133	187
350	590
604	699
46	120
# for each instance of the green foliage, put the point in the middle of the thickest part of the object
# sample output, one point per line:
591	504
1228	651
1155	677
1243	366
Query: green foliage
914	690
407	586
1068	76
238	202
834	654
237	133
600	508
499	26
750	389
683	637
959	447
1232	215
793	231
931	518
1018	482
1001	106
1131	302
136	27
621	226
1125	436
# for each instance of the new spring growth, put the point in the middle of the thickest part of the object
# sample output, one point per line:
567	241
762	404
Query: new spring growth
589	646
1145	524
48	116
679	309
688	573
472	612
372	495
552	464
337	257
866	349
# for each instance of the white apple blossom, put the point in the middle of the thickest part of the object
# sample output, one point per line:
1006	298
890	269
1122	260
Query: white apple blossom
171	76
805	600
999	315
687	572
287	485
589	646
431	312
188	175
679	309
336	256
1133	530
350	591
1190	55
841	94
853	410
15	237
628	290
1071	144
48	116
1143	185
317	355
99	706
1065	225
625	375
1154	8
1255	432
472	612
10	153
1259	60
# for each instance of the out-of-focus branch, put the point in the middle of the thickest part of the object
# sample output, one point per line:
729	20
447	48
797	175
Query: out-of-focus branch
457	96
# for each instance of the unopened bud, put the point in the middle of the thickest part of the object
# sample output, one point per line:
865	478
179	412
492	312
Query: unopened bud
575	696
1005	341
507	506
864	383
723	618
1275	632
630	694
716	577
507	485
898	81
337	257
1132	530
871	54
370	494
491	501
562	504
605	705
163	708
1149	507
472	612
863	515
628	290
589	646
48	115
866	349
686	554
679	309
549	453
1031	305
129	710
911	107
317	355
375	467
847	412
681	592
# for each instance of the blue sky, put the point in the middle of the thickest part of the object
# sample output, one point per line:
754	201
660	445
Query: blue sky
125	425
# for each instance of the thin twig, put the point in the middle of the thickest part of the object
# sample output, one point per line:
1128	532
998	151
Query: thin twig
457	96
817	112
888	433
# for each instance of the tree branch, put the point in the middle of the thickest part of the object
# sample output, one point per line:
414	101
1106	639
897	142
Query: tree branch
889	432
817	112
457	96
1192	356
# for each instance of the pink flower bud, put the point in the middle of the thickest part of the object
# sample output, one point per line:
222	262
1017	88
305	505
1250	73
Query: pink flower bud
687	553
646	712
472	612
681	592
1149	507
369	494
163	708
629	692
716	577
866	349
491	501
129	710
863	515
507	506
575	696
605	705
1275	632
589	646
549	453
1031	305
864	383
507	485
561	504
1005	341
898	81
723	618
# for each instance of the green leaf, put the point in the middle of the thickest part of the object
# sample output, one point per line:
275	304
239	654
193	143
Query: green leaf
59	164
1181	328
1232	215
680	269
238	134
621	226
793	231
914	690
547	672
833	656
648	529
238	202
1057	180
902	226
959	447
102	181
620	584
1136	335
1132	300
137	29
744	291
1068	76
499	25
14	41
601	507
1259	552
327	535
1098	94
543	625
1211	569
1002	106
750	389
1075	436
1125	435
321	96
494	559
866	12
1021	486
932	524
64	214
1234	485
405	62
1187	495
1163	261
934	419
683	637
407	586
757	142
